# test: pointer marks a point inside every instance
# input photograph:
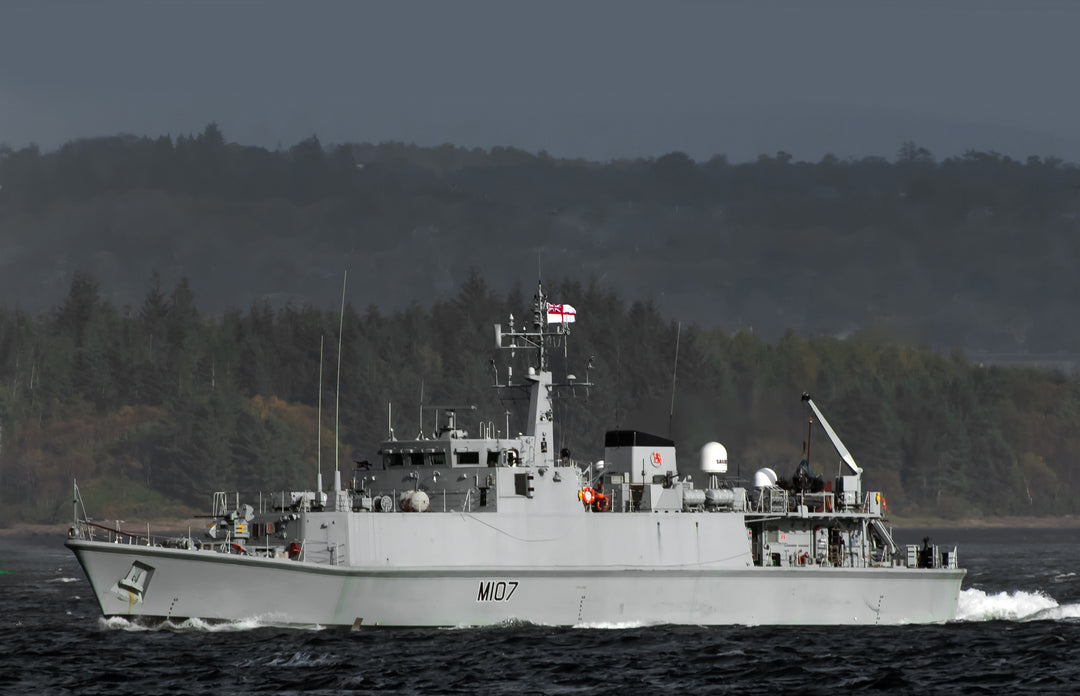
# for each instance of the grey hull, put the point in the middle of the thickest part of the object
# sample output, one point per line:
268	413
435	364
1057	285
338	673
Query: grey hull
212	586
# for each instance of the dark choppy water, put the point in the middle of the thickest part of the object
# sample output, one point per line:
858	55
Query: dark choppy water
1019	632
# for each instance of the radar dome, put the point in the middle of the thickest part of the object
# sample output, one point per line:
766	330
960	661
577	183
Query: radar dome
714	458
764	477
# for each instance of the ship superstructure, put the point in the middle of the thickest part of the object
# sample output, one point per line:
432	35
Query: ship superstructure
457	528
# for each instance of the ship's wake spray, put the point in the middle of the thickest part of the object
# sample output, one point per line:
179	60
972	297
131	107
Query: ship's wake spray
138	624
978	605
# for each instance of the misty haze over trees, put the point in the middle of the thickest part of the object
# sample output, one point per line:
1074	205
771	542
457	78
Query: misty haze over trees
975	252
165	302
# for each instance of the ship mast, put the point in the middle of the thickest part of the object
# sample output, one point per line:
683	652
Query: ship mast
550	322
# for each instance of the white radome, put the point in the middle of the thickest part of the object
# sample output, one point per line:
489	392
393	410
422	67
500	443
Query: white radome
714	458
764	477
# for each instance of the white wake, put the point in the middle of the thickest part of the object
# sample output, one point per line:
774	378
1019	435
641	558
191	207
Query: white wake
611	625
977	605
120	623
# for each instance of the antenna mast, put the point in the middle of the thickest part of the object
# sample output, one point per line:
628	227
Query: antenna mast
550	324
674	371
337	391
319	426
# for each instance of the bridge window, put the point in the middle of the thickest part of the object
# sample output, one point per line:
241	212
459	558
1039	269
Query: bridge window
468	458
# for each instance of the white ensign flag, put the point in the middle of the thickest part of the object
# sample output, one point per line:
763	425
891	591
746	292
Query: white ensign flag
560	314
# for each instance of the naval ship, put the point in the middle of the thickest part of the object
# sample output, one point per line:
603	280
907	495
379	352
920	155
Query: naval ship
454	529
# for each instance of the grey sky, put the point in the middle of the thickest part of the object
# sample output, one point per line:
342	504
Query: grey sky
598	79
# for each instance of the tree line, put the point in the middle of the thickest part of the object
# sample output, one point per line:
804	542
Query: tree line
162	404
975	251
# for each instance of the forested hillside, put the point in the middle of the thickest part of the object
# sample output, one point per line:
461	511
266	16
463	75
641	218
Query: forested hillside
160	404
976	252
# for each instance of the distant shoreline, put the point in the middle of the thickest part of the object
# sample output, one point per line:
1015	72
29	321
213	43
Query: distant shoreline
1006	522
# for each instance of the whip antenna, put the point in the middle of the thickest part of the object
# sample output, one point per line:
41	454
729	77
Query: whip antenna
674	371
337	391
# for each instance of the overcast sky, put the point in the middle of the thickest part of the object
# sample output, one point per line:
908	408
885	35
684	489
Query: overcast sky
599	79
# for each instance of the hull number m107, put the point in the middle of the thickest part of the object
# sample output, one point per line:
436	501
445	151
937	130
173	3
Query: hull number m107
496	591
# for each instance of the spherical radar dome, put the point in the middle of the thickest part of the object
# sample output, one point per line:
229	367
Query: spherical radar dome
764	478
714	458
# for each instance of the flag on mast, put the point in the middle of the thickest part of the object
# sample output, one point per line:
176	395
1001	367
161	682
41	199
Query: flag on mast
560	314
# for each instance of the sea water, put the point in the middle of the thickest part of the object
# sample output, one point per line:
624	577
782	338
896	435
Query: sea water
1017	631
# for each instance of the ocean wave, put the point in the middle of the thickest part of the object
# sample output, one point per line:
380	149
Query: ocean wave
121	623
977	605
521	623
64	580
302	659
504	624
1065	611
611	625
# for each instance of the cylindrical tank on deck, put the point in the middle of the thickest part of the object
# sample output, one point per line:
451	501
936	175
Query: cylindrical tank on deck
720	497
713	458
693	496
764	477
